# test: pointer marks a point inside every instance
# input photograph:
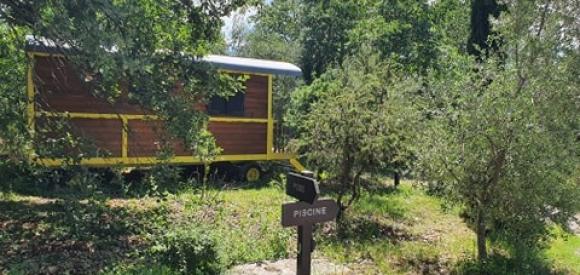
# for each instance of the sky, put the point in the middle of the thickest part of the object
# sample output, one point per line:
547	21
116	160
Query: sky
243	16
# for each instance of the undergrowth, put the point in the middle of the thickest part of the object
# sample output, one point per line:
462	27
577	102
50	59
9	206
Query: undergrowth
85	226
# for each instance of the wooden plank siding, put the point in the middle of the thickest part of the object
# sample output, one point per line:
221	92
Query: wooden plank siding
240	138
146	138
101	136
256	98
59	89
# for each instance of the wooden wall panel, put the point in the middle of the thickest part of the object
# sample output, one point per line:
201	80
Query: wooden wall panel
146	138
240	138
104	133
60	89
256	98
99	137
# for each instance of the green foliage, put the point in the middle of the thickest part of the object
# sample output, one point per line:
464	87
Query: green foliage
72	234
275	33
325	34
500	264
495	140
125	269
399	230
357	122
13	134
190	251
450	25
399	30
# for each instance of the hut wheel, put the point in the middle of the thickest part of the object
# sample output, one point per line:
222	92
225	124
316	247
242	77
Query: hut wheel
251	173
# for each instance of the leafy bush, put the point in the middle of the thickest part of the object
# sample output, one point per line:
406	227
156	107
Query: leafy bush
126	269
357	123
12	175
190	251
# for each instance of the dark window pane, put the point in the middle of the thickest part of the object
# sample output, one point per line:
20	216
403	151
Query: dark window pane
216	106
235	105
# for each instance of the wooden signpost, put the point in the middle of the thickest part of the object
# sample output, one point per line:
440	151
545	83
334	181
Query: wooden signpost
302	188
304	214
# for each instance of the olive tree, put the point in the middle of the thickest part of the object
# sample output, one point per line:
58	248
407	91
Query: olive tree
352	122
502	135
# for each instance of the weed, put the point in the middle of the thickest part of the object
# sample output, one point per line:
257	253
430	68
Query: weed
189	251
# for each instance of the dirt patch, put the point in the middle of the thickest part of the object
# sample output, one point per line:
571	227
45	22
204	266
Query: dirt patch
367	229
574	224
288	267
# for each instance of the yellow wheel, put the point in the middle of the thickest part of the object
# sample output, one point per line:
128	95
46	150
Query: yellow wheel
253	174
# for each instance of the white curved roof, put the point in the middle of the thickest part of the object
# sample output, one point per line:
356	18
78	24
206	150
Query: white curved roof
253	65
240	64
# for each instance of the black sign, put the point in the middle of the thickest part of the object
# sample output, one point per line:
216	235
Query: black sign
302	188
300	213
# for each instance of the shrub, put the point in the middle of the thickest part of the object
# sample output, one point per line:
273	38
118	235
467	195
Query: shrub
189	251
358	124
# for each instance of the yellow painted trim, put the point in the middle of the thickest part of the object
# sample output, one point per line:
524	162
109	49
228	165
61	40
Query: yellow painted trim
143	117
270	133
144	161
79	115
281	156
241	72
43	54
297	165
30	96
98	115
30	106
238	119
124	137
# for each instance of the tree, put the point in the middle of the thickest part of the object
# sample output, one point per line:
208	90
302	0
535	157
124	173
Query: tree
506	149
13	134
325	34
275	32
148	44
355	123
450	24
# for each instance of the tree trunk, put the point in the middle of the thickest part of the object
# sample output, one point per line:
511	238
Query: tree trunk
481	237
343	182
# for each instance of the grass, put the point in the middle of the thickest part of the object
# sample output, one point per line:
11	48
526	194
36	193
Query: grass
394	231
411	233
564	251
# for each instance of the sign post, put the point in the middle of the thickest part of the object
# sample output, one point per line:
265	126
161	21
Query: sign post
305	248
302	188
304	214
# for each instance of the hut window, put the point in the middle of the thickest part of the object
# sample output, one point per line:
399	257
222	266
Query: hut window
232	106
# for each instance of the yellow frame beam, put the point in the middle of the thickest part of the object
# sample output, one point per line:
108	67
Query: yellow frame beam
270	133
125	137
148	161
143	117
30	103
